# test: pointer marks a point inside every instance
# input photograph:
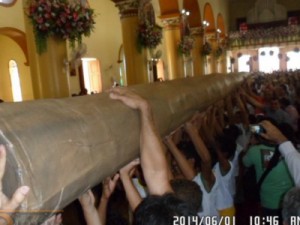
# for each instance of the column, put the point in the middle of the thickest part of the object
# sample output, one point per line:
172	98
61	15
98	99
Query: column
214	44
48	70
197	34
223	62
282	60
135	61
171	38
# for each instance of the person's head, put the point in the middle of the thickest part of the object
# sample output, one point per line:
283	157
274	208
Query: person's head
281	90
188	191
161	210
285	102
188	149
227	145
268	93
291	205
232	132
274	104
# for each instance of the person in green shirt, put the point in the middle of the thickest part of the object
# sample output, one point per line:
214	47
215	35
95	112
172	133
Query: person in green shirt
276	183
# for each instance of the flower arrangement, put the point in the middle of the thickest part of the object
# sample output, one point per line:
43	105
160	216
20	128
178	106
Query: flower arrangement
185	45
61	19
219	51
149	35
207	49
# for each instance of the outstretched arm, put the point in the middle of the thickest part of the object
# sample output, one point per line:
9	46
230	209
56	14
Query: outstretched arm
108	187
132	194
204	154
244	113
152	152
87	201
182	162
253	101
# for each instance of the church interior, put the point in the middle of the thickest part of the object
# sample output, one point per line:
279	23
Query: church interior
110	53
113	43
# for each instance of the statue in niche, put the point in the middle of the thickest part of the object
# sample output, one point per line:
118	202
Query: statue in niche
146	12
266	11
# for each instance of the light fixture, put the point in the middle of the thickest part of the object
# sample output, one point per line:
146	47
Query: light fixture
205	24
185	12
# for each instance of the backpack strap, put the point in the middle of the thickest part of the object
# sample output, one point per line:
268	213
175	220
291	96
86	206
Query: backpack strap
273	162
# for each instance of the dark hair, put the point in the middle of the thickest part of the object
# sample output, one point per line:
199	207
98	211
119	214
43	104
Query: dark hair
227	144
188	191
291	205
285	102
188	149
232	132
161	210
288	131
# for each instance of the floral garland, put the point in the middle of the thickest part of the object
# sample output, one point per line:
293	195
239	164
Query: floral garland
61	19
282	33
185	45
219	51
149	35
207	49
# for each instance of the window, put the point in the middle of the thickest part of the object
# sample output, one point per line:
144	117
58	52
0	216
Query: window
243	63
293	59
15	81
268	59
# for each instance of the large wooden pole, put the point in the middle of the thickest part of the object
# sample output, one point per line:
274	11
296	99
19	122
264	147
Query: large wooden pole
62	147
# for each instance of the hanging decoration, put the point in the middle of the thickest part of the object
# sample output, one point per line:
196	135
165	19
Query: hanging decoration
60	19
207	49
185	46
149	33
219	51
186	43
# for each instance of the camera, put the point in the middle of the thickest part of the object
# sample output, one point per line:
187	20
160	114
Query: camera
257	129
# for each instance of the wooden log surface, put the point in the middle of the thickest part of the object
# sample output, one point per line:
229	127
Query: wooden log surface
61	147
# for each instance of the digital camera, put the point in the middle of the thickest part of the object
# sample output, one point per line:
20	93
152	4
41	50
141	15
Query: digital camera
257	129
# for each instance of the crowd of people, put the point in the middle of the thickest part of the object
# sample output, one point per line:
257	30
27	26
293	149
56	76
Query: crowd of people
238	157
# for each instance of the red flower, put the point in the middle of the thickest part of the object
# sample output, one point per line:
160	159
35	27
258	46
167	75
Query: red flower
61	19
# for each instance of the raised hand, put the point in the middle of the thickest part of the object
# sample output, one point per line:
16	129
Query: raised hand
9	205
